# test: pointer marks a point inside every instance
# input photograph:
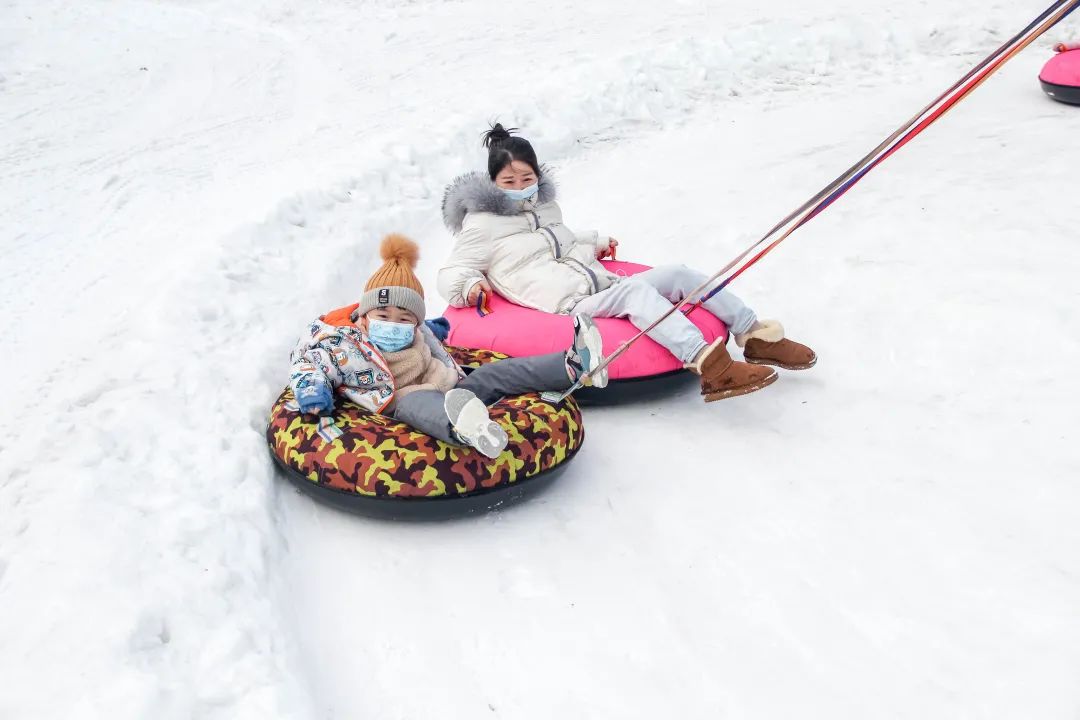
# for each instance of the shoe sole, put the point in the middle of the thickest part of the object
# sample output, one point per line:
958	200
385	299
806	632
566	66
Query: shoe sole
741	390
774	363
469	418
594	345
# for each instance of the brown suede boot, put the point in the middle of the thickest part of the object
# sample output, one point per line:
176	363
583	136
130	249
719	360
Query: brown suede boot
767	345
722	377
787	354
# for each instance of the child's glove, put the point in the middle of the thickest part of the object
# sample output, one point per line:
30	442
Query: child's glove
315	399
440	328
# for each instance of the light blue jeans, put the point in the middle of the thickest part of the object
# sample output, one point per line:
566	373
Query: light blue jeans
645	297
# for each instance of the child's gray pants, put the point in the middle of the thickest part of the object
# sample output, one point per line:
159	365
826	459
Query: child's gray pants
424	410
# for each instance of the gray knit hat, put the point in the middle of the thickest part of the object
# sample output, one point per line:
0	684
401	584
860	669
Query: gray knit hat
395	283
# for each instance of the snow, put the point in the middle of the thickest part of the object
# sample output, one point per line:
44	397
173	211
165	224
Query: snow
887	535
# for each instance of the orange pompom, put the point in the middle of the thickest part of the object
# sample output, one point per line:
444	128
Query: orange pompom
399	248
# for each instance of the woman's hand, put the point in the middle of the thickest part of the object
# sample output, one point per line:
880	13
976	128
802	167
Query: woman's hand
475	290
610	252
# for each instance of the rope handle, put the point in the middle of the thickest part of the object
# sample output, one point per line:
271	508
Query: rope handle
482	307
609	253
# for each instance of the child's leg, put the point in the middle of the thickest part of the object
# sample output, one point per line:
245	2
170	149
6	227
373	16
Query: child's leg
456	417
424	410
515	376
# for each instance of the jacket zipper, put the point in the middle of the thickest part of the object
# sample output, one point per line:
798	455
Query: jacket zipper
590	276
554	242
594	282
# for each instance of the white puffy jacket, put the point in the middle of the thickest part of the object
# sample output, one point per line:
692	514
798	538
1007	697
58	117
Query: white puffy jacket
521	247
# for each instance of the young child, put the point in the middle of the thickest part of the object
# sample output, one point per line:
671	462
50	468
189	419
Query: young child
381	355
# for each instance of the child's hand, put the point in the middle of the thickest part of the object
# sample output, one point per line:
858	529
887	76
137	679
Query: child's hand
315	400
440	328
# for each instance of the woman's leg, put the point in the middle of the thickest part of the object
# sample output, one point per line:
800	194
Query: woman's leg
642	304
638	299
763	343
675	282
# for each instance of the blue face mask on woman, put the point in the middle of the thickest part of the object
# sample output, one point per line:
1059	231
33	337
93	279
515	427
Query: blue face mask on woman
391	336
522	194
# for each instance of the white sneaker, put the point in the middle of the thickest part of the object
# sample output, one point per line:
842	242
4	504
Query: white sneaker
587	352
472	424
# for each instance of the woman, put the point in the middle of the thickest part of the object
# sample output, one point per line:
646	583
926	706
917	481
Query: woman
510	238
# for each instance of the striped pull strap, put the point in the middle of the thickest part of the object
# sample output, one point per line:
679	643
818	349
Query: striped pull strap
482	307
328	430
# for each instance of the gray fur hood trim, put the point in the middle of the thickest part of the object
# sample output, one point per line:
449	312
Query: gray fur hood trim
475	192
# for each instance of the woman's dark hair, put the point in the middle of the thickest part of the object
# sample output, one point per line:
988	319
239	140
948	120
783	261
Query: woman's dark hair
504	148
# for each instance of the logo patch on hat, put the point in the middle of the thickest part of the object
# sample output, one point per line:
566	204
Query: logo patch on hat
384	296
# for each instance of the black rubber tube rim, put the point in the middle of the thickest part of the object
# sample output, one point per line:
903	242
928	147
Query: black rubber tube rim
1068	94
442	507
626	390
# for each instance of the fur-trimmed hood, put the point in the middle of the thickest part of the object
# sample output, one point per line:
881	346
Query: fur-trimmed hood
475	192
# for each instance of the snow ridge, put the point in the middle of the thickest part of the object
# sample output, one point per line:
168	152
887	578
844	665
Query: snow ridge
141	525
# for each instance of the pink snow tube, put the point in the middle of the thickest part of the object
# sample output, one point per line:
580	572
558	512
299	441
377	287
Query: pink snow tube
519	331
1061	77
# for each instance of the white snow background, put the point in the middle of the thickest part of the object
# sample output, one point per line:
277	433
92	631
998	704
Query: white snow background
890	535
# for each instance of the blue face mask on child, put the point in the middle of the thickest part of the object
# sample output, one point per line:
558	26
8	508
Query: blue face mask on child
391	336
523	193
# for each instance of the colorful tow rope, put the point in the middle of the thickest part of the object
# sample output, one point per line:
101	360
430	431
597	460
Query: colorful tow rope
1050	17
328	429
945	102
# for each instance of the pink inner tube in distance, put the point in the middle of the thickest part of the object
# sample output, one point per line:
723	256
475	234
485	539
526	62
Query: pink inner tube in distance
1063	69
520	331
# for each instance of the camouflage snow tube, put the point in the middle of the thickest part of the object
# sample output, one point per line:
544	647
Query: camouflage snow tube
379	466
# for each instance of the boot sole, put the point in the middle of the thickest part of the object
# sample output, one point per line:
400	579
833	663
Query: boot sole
741	390
786	366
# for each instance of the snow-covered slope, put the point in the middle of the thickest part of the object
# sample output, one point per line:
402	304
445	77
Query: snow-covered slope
887	535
